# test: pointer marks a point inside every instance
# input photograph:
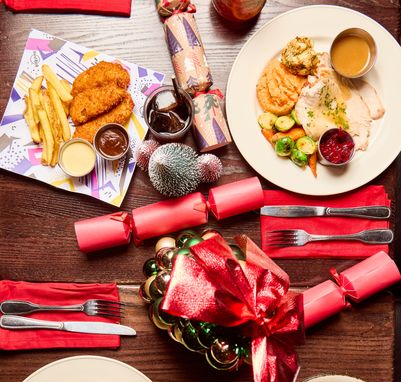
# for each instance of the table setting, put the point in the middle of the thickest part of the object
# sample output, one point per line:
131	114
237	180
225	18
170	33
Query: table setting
202	190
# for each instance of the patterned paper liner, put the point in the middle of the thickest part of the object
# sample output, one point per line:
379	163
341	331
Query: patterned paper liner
110	180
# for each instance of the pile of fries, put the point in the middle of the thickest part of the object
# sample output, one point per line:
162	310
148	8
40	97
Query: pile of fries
47	113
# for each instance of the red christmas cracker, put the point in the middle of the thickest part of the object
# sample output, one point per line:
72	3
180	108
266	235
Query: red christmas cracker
171	215
357	283
103	232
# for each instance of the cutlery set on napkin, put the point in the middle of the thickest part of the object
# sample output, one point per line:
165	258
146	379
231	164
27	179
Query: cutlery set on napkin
356	224
92	323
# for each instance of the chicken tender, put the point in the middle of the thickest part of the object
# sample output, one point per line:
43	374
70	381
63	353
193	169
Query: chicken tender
101	74
120	114
93	102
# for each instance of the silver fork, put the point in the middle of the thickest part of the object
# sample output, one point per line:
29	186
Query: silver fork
299	237
91	308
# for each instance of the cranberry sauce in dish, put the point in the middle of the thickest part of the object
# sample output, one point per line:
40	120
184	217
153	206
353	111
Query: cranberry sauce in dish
336	146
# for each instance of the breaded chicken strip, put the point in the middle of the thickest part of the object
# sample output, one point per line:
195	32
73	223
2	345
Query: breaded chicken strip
93	102
103	73
120	114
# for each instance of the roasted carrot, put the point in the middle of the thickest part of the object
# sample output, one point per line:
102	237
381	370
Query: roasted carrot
295	133
268	134
312	163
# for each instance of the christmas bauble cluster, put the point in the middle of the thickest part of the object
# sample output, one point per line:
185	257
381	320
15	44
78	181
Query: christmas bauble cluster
175	169
224	348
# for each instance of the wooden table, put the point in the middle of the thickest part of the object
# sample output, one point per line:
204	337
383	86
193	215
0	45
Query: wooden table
37	241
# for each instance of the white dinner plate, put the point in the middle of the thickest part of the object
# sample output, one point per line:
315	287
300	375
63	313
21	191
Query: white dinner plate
333	378
321	23
87	368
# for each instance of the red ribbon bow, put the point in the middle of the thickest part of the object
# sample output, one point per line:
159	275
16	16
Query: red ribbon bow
215	287
216	92
191	8
342	284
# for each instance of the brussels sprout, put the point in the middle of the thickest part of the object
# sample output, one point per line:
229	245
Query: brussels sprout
306	144
294	117
284	123
284	146
299	157
267	120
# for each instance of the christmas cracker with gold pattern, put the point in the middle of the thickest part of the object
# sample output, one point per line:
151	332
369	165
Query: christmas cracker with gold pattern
187	53
210	127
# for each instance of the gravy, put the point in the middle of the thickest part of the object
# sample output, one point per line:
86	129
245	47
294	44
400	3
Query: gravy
350	55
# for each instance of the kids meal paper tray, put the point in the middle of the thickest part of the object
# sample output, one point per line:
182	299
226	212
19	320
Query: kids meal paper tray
109	180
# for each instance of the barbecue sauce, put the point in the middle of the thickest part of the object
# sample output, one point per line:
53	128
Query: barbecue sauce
111	142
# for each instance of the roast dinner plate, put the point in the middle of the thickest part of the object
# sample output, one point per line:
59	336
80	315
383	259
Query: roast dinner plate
87	368
321	23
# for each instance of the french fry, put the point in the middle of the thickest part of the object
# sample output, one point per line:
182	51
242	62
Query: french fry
47	132
66	132
44	159
66	85
56	149
37	84
312	159
53	80
30	121
51	114
295	133
34	98
66	105
268	134
54	124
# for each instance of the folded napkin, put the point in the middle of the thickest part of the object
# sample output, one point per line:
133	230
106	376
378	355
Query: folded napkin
367	196
102	7
56	294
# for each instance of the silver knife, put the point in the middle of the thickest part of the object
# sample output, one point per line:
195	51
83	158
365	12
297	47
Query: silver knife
18	322
371	212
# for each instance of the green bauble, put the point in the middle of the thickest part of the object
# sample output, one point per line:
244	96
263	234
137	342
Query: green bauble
207	334
163	316
183	236
237	252
149	267
173	169
182	251
161	280
190	338
192	241
164	258
224	352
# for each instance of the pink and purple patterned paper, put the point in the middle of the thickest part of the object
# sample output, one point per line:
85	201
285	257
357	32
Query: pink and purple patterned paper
110	179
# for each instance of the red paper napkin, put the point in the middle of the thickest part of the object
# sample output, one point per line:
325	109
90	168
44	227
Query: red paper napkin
57	294
102	7
367	196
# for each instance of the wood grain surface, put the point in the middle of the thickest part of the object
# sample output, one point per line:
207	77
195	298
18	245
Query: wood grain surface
37	241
